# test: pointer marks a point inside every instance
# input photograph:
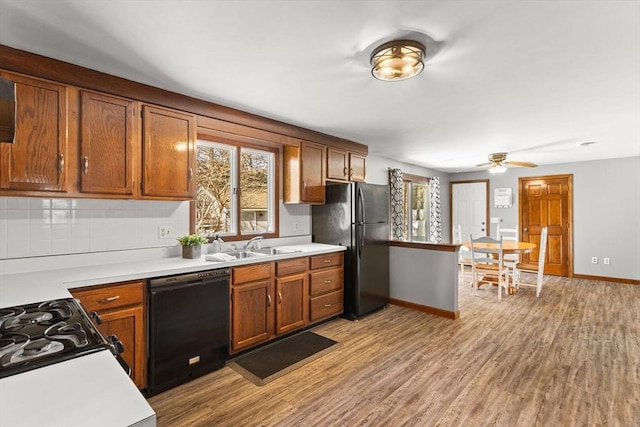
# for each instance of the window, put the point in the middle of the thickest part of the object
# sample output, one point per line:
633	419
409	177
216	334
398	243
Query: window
416	208
236	191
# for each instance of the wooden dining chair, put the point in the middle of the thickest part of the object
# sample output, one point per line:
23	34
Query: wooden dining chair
509	234
464	255
526	268
488	262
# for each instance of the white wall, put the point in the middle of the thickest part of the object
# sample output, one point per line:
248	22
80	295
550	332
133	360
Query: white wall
606	211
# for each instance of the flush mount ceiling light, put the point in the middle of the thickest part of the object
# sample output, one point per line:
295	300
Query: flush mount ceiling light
397	60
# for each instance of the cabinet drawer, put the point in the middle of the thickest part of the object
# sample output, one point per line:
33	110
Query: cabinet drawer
326	281
291	266
110	297
250	273
326	306
324	261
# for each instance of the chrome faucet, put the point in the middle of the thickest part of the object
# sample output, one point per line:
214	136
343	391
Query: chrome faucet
251	243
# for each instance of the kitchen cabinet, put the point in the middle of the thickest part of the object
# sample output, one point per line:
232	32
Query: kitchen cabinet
38	159
106	144
119	309
252	306
291	295
345	166
326	286
304	173
168	153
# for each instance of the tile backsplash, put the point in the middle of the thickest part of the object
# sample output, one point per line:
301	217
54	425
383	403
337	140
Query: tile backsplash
31	227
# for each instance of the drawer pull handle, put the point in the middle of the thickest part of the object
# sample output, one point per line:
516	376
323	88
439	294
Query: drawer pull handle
327	261
268	300
280	296
113	298
86	165
328	281
328	305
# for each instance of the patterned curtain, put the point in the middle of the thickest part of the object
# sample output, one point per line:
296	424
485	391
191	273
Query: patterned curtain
397	208
435	219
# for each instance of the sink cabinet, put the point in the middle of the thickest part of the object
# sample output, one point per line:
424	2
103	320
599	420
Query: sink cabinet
291	295
119	309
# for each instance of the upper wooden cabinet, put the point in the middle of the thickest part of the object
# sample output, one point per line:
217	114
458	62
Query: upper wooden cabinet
168	153
345	166
304	172
37	160
106	144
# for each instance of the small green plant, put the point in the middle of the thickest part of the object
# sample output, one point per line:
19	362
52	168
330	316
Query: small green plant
192	240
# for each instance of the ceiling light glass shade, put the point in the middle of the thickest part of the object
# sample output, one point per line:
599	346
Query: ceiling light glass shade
497	168
397	60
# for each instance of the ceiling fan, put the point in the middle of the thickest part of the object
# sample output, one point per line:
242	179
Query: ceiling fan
498	163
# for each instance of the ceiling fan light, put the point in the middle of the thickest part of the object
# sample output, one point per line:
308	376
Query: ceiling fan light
397	60
497	168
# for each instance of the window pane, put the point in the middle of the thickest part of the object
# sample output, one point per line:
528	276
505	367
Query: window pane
255	191
214	189
419	213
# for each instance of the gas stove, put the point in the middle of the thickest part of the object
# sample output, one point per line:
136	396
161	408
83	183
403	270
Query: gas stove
40	334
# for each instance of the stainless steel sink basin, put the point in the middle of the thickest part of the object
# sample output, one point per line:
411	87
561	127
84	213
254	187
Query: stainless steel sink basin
243	254
276	251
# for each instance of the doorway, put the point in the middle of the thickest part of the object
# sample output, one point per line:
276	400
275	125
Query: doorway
547	201
469	207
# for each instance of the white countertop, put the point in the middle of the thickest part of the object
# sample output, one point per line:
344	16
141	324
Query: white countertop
94	390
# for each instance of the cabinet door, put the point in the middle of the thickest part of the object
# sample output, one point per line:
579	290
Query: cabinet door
168	153
291	310
128	325
252	319
106	144
37	160
312	172
357	167
337	164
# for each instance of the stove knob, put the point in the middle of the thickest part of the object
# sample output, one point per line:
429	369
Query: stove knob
96	317
119	347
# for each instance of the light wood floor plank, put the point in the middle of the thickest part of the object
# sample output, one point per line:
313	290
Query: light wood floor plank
568	358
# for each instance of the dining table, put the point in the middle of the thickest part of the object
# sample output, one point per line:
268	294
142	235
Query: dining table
508	247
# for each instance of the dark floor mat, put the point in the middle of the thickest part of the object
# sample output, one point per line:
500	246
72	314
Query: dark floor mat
273	361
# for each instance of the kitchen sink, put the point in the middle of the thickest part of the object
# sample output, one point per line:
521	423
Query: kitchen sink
244	254
275	251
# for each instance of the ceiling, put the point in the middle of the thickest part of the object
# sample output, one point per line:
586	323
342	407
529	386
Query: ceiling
532	78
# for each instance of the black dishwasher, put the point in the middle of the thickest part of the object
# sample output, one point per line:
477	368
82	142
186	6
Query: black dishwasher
188	327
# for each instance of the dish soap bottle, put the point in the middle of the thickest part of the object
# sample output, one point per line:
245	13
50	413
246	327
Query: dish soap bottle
217	244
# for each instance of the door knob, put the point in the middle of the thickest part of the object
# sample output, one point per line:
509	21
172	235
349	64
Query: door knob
525	229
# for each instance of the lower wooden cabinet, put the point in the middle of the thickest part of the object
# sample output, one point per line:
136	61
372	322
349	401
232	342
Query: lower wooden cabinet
272	299
120	310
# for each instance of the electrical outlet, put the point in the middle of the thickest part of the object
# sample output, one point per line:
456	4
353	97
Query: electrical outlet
296	225
607	261
594	260
165	232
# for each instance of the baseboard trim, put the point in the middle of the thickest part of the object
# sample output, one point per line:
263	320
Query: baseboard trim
426	309
607	279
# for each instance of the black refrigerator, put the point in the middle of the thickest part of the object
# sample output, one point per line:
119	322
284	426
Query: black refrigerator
356	215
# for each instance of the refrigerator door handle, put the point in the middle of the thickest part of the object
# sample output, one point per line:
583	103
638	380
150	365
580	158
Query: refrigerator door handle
361	206
360	240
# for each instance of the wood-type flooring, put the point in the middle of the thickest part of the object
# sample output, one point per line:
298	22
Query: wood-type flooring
568	358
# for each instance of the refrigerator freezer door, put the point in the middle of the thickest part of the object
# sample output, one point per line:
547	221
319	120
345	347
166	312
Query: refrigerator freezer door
332	221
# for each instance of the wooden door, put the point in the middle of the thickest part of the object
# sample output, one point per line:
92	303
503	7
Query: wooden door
312	172
546	201
357	168
106	144
469	208
291	307
168	153
252	319
37	160
337	164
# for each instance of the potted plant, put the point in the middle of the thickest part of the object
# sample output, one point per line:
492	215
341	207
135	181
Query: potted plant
191	245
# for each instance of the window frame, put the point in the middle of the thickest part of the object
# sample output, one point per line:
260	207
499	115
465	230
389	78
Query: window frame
407	182
238	144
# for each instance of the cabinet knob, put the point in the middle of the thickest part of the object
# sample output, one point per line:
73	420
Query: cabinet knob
86	165
345	172
61	162
190	174
280	296
268	300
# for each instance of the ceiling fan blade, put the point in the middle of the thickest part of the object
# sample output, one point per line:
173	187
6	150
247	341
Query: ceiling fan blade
522	164
482	165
